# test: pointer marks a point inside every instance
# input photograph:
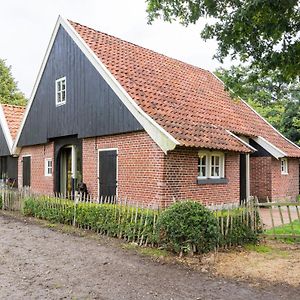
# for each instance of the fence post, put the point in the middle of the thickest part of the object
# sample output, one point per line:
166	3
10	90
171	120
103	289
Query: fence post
76	199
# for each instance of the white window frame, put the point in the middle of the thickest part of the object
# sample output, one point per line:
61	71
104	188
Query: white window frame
284	166
209	155
57	92
201	166
47	173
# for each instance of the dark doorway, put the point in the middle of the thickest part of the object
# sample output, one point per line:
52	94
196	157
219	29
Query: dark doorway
66	184
26	171
107	173
243	177
63	163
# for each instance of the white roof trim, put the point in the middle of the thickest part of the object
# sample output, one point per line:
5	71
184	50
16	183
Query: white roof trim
259	115
163	139
273	150
6	131
241	140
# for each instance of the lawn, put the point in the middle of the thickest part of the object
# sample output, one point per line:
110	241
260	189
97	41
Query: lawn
284	231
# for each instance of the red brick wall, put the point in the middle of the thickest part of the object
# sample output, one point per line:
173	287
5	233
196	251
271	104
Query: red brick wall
140	165
266	179
39	182
146	174
181	171
285	187
260	177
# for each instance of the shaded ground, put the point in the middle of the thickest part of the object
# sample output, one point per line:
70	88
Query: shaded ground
40	263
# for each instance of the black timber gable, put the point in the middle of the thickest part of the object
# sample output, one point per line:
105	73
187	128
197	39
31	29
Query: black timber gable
4	150
92	108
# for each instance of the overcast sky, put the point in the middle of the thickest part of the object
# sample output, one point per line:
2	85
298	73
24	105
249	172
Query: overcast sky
26	27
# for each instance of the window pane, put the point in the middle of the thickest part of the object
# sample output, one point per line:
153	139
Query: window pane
63	97
202	166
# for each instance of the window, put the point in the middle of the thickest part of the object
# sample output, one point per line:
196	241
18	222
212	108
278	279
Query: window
48	167
284	166
202	166
211	165
60	91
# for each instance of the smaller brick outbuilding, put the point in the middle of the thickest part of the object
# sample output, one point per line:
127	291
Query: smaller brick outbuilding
131	122
10	120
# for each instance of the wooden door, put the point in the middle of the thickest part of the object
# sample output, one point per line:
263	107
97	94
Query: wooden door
26	171
108	173
243	177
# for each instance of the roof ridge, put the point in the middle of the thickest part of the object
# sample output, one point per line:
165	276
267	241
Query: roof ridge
136	45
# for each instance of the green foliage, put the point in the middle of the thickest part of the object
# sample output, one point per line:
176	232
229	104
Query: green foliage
128	222
188	224
9	93
236	227
263	32
1	202
183	227
273	99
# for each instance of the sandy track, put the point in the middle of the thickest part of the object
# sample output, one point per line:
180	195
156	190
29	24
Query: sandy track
40	263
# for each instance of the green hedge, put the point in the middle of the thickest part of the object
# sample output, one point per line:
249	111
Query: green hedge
183	227
238	226
131	223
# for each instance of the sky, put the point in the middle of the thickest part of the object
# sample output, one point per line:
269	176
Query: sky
26	28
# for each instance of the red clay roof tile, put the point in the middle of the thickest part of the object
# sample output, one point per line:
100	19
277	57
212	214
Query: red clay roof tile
188	102
13	115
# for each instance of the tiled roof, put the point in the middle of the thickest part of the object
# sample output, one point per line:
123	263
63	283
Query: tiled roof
188	102
13	115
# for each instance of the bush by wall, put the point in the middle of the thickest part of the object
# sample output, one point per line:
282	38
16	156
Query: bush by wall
188	226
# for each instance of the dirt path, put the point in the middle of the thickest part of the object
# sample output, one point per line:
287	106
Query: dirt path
267	221
40	263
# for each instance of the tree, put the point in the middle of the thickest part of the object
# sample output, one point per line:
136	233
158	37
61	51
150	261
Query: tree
272	98
9	93
262	32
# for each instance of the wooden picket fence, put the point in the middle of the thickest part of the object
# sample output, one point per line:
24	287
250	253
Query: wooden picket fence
281	220
119	217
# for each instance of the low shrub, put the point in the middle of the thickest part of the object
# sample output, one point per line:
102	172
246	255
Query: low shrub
132	223
188	226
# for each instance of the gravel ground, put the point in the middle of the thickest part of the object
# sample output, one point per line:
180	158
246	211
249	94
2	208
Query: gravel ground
42	263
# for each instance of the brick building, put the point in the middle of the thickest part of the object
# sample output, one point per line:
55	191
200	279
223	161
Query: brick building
10	120
128	121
